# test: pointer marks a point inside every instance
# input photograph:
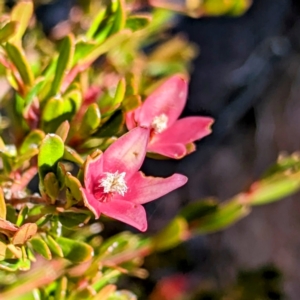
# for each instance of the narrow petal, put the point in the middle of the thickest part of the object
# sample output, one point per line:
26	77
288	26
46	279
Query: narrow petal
185	131
125	211
127	153
143	189
175	151
168	99
93	170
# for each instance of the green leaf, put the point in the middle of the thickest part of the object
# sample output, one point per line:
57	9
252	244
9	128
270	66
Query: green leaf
51	186
58	110
71	155
119	17
73	219
10	265
138	22
131	102
90	121
64	63
109	104
24	233
40	246
75	251
199	209
111	127
8	30
227	214
22	13
18	58
61	290
73	185
2	205
54	246
172	235
51	151
272	189
22	216
63	130
113	41
32	94
32	141
93	28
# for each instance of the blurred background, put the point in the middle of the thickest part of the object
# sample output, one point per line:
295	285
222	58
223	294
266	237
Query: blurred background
246	76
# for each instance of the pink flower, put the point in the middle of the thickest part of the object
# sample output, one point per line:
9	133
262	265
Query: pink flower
169	137
115	187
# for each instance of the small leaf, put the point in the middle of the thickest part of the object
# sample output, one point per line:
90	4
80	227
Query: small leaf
32	141
40	246
51	151
172	235
73	185
18	58
272	189
138	22
64	62
25	232
72	219
61	289
131	102
10	265
52	115
75	251
111	127
199	209
22	216
96	22
106	46
63	130
90	121
8	30
227	214
51	186
119	17
2	205
7	227
108	104
22	13
71	155
54	246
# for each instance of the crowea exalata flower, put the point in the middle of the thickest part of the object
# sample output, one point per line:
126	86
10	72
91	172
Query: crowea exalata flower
114	186
160	112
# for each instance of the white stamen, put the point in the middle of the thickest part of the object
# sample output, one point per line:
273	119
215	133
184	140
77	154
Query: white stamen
114	182
159	123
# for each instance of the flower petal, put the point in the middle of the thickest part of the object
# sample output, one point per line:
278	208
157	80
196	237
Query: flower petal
185	131
168	99
91	202
92	171
175	151
127	153
130	118
125	211
143	189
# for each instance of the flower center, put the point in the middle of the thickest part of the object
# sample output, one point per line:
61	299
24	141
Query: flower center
114	182
159	123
